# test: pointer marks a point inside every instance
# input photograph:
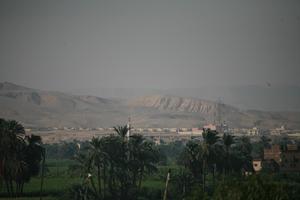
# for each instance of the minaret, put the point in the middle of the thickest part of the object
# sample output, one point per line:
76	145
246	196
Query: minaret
128	129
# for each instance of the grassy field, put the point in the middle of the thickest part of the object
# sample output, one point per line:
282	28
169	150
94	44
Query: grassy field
58	179
33	198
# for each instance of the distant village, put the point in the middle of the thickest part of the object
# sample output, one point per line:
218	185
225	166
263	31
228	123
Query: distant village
275	157
158	135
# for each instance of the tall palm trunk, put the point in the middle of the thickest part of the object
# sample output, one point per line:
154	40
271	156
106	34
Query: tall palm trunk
11	187
203	174
43	172
111	181
214	174
227	162
99	179
22	186
17	188
7	187
104	180
93	185
140	179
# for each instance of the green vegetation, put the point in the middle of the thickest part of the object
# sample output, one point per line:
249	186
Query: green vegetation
118	167
20	156
114	167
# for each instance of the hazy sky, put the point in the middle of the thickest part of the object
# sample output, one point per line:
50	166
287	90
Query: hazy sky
62	45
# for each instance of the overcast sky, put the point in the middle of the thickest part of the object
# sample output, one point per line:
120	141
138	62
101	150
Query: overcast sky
62	45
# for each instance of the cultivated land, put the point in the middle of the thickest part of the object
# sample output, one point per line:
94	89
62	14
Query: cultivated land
59	178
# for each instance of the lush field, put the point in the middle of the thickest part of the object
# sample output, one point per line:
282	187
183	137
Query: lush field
34	198
58	179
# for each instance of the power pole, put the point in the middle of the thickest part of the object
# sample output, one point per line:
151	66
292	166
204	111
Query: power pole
219	111
167	183
219	115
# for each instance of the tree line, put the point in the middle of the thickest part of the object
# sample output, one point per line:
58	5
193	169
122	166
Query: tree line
114	167
20	156
213	166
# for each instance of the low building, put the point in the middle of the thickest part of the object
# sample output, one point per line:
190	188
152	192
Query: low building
253	131
183	129
277	131
290	159
173	130
166	130
287	160
197	131
185	133
257	165
210	127
273	153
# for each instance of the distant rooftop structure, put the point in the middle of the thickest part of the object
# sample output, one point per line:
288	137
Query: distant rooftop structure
210	126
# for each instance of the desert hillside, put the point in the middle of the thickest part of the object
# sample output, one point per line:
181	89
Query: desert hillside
55	109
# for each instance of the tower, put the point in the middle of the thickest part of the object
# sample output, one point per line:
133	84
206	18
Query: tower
128	128
218	120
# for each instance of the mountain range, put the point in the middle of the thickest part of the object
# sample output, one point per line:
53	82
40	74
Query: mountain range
39	108
265	97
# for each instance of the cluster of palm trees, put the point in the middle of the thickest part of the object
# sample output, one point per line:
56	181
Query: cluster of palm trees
113	167
20	156
216	155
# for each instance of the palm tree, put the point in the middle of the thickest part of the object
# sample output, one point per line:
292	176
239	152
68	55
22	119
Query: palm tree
43	171
2	146
115	163
242	157
34	154
12	144
15	127
228	140
20	155
210	138
191	158
121	131
119	164
83	165
143	157
265	141
97	157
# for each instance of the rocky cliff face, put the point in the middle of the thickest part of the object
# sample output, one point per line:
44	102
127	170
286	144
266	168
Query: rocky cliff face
179	104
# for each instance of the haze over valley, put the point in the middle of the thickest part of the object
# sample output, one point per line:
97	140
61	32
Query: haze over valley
149	99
